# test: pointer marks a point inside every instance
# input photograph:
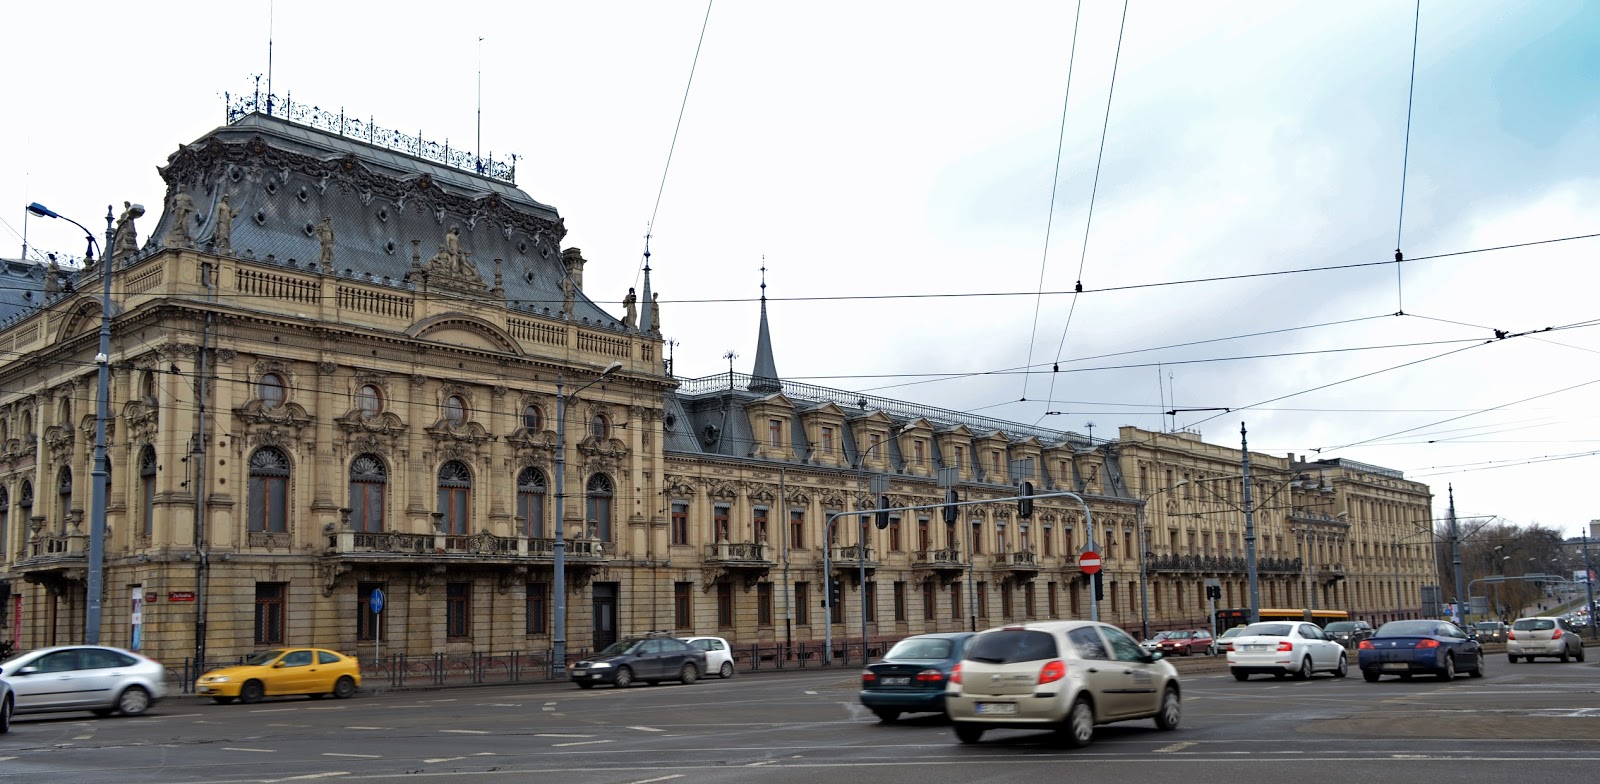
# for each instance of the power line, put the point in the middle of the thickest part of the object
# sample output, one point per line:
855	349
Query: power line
1464	416
1055	182
682	109
1405	162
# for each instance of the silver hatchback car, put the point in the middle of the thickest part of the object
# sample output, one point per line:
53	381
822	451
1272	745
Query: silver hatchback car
1546	636
1065	676
84	678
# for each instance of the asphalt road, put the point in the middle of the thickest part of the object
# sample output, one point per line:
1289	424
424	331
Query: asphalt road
805	726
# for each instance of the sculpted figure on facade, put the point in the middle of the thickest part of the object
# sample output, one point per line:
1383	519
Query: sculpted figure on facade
182	208
655	312
568	295
325	237
125	239
222	235
630	307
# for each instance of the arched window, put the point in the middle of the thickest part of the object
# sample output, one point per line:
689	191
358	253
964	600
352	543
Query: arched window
532	419
64	491
148	388
455	410
66	413
271	390
369	481
25	502
369	400
599	427
598	508
530	501
269	491
455	492
27	424
147	487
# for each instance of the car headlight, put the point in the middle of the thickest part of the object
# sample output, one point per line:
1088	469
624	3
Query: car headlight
599	665
215	679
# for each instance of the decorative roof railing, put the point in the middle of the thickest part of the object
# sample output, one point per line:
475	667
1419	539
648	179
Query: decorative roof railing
896	408
365	130
1369	468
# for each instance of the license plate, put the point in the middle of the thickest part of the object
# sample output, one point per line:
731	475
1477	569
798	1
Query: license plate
1397	666
997	708
901	680
1255	647
596	674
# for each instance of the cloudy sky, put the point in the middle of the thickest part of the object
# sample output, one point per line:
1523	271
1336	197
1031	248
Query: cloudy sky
894	163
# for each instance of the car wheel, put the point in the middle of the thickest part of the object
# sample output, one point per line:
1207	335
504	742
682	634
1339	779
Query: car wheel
251	692
624	678
726	671
1241	675
222	700
344	688
1079	729
1304	673
967	733
1171	710
1478	671
1371	676
1449	671
689	674
5	715
887	716
1580	653
1344	667
133	701
585	684
1565	657
1511	657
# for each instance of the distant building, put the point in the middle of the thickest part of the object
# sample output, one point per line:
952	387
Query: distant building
347	374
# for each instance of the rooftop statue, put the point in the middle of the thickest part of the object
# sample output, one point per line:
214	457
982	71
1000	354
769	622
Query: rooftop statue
630	304
125	240
182	208
222	234
325	237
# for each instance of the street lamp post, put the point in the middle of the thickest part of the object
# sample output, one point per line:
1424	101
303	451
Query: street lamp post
1144	576
558	582
98	477
1588	578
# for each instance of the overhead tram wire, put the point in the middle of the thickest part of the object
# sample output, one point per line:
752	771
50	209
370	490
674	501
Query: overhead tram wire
1094	190
1055	182
1510	464
1405	162
673	146
1581	385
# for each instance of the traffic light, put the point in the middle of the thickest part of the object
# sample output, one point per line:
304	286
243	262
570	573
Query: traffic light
1099	588
952	513
882	517
1213	592
1025	503
835	593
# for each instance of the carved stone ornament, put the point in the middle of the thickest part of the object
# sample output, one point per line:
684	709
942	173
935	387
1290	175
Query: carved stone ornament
798	496
764	494
452	267
59	441
426	575
529	443
330	576
142	421
725	491
833	499
291	415
466	433
679	486
385	423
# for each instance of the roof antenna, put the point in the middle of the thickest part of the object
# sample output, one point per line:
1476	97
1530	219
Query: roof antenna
271	12
478	153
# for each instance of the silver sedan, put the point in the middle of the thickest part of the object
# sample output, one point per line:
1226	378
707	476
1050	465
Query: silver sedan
84	678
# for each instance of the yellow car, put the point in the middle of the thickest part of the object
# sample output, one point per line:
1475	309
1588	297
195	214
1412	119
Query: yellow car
312	671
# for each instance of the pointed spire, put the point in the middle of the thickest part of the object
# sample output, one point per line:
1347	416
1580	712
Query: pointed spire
764	377
646	324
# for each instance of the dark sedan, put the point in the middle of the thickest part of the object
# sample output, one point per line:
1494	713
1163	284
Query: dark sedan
1490	631
1348	633
1407	648
912	677
648	659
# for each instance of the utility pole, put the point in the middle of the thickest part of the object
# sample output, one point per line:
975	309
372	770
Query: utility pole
1588	577
1455	556
1250	531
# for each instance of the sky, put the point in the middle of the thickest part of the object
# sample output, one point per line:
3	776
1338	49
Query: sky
895	168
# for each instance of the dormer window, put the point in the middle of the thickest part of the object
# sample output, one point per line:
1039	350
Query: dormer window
775	433
826	441
918	451
873	442
994	461
959	457
271	390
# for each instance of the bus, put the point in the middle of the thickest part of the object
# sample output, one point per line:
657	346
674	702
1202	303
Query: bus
1227	619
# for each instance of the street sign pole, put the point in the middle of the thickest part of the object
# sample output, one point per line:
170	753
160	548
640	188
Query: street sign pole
375	601
1089	563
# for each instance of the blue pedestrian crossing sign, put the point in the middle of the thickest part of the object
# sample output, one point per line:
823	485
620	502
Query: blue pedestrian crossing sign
376	600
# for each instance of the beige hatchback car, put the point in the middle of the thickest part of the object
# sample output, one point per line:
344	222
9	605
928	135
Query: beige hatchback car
1063	676
1548	636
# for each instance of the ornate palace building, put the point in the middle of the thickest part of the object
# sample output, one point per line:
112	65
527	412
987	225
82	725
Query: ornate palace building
336	364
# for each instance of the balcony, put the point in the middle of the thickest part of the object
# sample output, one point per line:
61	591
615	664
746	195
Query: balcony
482	547
944	564
745	561
1330	573
1018	567
46	556
1208	564
848	558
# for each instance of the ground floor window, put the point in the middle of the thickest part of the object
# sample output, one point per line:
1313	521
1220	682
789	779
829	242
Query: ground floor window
802	603
683	605
725	605
763	604
538	608
269	612
366	619
458	610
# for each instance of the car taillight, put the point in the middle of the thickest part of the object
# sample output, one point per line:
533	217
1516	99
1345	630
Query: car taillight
1285	646
1052	671
868	677
930	676
1427	643
1512	635
1555	635
955	673
1365	645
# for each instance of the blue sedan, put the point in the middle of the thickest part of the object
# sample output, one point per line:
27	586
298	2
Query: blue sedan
1407	648
912	677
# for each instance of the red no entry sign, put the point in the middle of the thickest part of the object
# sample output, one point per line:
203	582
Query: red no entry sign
1089	562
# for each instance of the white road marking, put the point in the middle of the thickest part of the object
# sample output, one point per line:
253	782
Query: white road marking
1174	747
83	737
558	735
273	710
499	705
658	778
468	732
285	724
759	764
484	754
326	709
4	759
581	743
646	729
236	748
366	728
358	756
433	760
307	776
808	691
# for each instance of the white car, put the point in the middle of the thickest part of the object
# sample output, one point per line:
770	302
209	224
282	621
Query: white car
84	678
1154	642
719	654
1063	676
7	703
1280	648
1544	636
